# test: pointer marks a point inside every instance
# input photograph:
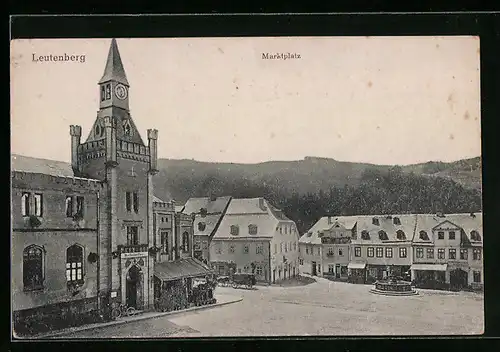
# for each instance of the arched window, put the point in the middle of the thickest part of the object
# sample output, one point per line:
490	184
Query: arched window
252	229
235	230
423	236
69	206
365	235
33	274
25	204
383	235
185	242
475	236
127	129
201	226
400	235
74	264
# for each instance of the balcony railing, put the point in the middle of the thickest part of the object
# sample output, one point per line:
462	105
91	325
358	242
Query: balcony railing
133	248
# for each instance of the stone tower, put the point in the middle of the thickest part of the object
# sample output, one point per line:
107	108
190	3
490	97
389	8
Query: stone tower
115	153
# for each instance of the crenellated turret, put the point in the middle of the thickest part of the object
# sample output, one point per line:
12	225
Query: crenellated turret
153	150
75	132
110	128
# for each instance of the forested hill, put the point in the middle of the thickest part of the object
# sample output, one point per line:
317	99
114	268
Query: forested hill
182	179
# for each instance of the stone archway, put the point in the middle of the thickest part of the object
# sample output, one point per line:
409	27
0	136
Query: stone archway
133	287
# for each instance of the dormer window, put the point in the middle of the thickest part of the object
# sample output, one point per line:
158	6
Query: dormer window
474	235
97	130
201	226
365	235
396	221
235	230
375	221
252	229
383	236
400	235
423	236
127	129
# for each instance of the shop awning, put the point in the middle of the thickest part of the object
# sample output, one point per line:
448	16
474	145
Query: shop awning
433	267
356	265
181	268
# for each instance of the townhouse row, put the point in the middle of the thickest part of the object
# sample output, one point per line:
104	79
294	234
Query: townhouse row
432	250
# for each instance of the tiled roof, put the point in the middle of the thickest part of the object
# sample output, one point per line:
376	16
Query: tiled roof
244	212
465	221
177	269
210	222
40	166
386	224
217	206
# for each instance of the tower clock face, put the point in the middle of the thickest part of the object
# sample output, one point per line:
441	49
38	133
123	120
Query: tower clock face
121	91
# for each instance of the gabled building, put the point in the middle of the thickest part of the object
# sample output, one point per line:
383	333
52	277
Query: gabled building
207	213
254	236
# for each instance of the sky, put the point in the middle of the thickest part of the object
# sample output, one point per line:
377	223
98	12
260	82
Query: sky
382	100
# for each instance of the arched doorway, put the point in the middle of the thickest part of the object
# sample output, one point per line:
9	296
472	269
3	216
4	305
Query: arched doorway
133	287
458	279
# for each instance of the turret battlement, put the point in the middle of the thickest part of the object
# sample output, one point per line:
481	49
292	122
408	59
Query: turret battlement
75	130
152	134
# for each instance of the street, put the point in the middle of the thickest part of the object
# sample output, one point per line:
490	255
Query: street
320	308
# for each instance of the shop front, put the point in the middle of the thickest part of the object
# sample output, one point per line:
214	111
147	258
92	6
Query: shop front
357	273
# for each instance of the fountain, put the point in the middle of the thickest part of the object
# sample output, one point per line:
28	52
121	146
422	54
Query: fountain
393	287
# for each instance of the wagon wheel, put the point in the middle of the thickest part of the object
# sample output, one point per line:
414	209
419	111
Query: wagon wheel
131	311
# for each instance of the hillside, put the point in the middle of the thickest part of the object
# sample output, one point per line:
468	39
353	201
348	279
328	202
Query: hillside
181	179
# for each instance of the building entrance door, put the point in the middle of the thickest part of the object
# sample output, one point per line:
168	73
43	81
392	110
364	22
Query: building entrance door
458	279
337	271
313	269
133	284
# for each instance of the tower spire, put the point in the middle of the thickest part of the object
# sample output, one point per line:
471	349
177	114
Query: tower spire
114	67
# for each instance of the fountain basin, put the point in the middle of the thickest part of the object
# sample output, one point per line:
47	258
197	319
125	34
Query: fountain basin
393	288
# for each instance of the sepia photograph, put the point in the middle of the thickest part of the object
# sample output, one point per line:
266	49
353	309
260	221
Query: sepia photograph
246	186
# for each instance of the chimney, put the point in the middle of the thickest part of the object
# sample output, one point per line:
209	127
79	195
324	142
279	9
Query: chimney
329	219
472	215
213	197
262	204
76	134
440	214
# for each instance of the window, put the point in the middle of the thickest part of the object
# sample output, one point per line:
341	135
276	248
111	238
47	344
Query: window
430	253
128	201
235	230
476	254
275	248
252	229
319	251
375	221
388	252
25	204
307	250
103	93
231	248
365	235
330	252
294	246
402	252
80	201
451	235
258	270
357	251
380	252
423	236
396	221
301	261
132	235
218	249
201	226
281	230
474	235
477	276
420	252
38	204
33	268
452	253
440	235
383	236
281	247
286	230
369	252
245	249
259	249
136	202
164	241
108	91
400	235
440	253
185	242
74	264
205	245
286	247
341	253
331	269
463	254
127	129
69	206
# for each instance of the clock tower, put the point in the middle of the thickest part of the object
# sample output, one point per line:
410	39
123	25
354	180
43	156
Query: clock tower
113	86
